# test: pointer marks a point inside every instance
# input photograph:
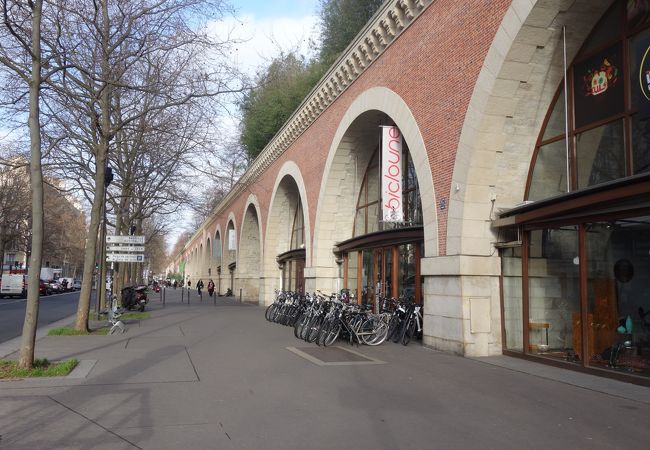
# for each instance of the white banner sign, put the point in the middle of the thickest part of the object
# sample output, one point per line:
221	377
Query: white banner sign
232	240
125	248
124	257
125	239
391	175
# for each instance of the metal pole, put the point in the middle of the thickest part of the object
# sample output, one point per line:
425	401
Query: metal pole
164	295
240	289
189	291
566	112
182	294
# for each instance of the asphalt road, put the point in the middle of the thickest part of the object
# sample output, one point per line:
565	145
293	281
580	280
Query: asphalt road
52	308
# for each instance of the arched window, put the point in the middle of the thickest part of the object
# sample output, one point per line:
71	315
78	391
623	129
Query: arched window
574	290
298	228
368	215
606	134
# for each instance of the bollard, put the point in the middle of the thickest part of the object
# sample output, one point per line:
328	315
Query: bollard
240	295
182	294
164	295
189	291
214	298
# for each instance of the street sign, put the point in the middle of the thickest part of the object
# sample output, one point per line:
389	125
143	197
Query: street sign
124	257
124	239
125	248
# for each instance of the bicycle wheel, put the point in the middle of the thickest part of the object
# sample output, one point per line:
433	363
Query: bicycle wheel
409	330
399	328
379	331
269	312
314	329
333	331
322	331
300	324
393	326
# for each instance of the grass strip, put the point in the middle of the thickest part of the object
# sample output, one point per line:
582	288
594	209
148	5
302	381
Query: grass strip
67	331
135	315
42	368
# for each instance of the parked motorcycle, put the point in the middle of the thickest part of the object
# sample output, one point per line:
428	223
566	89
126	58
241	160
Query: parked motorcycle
134	297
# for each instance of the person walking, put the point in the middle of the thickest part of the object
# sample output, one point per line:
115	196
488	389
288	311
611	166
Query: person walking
210	287
175	284
199	286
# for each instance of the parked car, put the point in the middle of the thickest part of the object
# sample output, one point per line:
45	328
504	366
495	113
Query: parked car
55	287
76	285
43	288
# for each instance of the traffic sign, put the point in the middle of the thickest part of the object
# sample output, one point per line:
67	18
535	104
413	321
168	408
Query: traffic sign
124	239
124	257
125	248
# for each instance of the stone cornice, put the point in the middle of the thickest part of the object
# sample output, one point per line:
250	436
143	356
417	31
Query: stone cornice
385	26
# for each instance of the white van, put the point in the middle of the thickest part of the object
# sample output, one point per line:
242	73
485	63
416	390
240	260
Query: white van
13	285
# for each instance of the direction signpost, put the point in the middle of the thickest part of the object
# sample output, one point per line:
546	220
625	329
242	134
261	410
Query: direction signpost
124	257
124	249
125	239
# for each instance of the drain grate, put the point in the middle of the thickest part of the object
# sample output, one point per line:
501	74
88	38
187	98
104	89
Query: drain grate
333	356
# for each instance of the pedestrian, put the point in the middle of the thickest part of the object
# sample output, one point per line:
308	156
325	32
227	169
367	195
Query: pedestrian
175	284
210	287
189	284
199	286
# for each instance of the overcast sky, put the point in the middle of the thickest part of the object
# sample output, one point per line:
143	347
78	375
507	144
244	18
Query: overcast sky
271	26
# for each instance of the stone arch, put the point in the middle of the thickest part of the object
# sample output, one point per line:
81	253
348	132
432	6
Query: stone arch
520	76
199	260
289	188
249	258
208	258
219	270
356	136
230	256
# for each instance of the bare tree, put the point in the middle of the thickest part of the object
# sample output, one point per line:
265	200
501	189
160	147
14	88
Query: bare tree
20	53
127	60
14	206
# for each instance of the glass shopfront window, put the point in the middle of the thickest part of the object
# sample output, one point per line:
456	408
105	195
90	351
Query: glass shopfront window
578	289
619	294
406	278
554	293
352	261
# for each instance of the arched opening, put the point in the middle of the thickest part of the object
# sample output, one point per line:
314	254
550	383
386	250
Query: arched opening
572	289
231	255
382	258
372	254
249	259
287	242
216	255
208	258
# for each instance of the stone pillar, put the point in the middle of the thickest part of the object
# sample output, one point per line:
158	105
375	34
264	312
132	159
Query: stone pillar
462	313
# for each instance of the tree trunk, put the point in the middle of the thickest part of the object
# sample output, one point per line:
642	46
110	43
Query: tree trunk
28	341
83	309
2	248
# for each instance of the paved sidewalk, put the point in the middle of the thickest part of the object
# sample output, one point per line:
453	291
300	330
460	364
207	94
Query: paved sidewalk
206	376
